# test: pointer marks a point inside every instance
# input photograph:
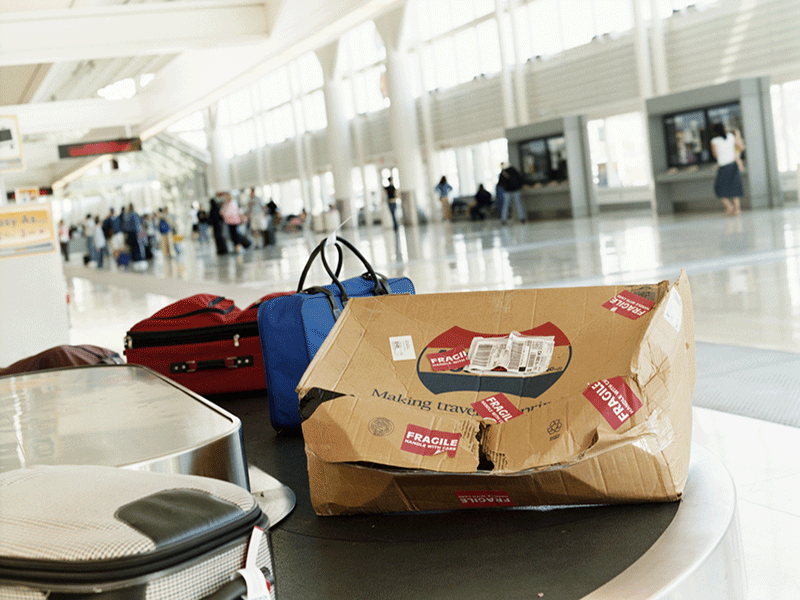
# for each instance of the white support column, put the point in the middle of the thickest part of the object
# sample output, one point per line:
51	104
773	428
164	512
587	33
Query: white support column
479	166
255	99
644	70
219	174
428	146
520	89
506	92
659	50
299	150
402	113
465	182
338	134
642	49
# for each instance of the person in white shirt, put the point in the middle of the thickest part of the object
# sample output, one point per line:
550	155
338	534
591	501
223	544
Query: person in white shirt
63	238
99	242
726	147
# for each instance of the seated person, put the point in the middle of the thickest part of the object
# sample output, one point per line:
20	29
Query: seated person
482	205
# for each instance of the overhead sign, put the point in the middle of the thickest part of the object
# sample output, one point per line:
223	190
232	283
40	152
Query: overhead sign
99	148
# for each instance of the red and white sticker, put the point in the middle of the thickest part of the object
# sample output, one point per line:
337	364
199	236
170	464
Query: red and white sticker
483	498
429	442
614	399
496	408
629	305
457	358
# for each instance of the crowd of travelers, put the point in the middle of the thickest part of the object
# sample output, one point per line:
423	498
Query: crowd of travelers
130	238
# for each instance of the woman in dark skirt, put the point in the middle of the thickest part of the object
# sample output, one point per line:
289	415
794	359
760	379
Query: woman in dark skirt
728	182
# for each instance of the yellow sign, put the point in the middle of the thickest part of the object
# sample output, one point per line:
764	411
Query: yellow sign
26	230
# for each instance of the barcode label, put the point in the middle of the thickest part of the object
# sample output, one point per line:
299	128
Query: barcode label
481	355
516	354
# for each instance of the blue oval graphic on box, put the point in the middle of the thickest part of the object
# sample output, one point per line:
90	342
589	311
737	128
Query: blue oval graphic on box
460	380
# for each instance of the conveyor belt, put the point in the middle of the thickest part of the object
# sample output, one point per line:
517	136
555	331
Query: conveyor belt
687	550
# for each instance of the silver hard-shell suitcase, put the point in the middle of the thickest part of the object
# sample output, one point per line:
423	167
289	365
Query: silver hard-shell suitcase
106	533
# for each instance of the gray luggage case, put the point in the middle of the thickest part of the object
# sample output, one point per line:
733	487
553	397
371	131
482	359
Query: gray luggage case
106	533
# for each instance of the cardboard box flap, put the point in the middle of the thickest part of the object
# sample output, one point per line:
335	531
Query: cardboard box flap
346	429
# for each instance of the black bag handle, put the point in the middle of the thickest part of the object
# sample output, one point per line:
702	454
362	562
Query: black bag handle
379	285
310	260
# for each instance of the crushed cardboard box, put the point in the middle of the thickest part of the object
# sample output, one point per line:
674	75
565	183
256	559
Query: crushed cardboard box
508	398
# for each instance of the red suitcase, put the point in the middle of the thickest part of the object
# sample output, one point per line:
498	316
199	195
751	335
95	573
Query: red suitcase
204	342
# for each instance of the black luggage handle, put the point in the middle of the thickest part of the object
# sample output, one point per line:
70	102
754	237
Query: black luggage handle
230	362
380	287
310	261
237	587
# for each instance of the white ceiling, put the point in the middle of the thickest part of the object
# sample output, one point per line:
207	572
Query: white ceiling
56	54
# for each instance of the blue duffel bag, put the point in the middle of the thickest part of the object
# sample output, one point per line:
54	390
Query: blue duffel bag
293	327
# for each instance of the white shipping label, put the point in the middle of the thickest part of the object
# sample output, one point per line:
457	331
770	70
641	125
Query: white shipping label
516	354
674	310
402	348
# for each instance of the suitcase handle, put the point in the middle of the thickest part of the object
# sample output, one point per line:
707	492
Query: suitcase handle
329	296
231	362
379	286
310	261
237	587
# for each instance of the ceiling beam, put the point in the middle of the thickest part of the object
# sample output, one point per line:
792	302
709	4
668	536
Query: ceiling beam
45	117
130	30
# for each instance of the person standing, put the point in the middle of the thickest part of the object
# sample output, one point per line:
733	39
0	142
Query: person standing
63	238
132	227
391	199
100	244
444	189
217	223
88	234
202	226
166	228
233	219
510	182
728	182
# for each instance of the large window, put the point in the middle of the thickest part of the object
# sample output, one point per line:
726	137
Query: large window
362	61
191	130
618	151
459	41
786	117
283	104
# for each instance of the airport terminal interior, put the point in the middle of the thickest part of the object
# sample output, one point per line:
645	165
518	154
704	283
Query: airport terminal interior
304	112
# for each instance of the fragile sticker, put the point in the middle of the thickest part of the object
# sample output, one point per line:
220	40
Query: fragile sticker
496	408
483	499
450	360
614	399
402	347
429	442
629	305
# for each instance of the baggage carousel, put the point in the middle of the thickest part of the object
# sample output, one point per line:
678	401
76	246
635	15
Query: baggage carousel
683	550
128	416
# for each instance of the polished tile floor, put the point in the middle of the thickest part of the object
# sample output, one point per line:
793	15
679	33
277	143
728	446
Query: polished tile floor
744	273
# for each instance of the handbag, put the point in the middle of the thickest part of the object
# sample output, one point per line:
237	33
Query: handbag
293	327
